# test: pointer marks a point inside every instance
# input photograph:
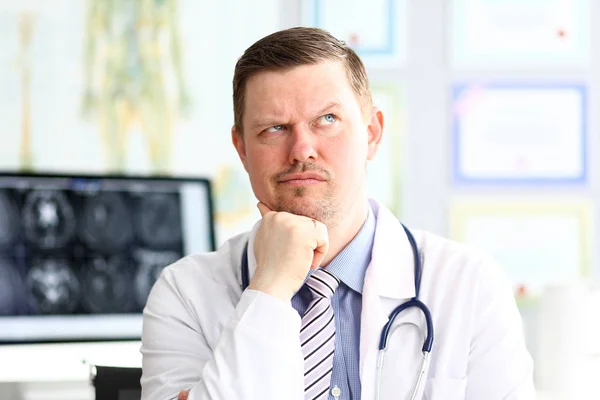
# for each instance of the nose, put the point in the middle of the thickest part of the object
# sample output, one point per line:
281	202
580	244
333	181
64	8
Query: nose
303	145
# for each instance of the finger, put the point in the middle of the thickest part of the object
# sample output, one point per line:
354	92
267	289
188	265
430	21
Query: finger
321	245
263	209
183	395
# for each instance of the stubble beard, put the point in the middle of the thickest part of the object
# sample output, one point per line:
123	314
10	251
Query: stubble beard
300	201
322	209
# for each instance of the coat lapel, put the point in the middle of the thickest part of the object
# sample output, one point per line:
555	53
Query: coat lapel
389	281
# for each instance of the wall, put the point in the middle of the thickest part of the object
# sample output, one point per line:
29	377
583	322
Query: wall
214	35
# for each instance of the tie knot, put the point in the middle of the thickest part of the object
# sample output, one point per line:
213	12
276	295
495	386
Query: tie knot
322	283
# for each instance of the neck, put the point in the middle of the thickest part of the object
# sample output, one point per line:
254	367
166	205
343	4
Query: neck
346	229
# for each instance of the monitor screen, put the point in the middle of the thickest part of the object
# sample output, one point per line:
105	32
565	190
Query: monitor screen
79	254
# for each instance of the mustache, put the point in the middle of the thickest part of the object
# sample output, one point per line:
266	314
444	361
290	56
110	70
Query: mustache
300	168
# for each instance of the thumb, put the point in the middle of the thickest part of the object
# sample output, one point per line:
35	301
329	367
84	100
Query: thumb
183	395
321	245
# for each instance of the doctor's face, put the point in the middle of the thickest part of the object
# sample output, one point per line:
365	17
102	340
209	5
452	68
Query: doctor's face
306	141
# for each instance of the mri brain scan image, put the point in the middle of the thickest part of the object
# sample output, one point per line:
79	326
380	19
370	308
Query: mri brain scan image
159	220
84	251
53	285
107	285
48	219
89	250
106	222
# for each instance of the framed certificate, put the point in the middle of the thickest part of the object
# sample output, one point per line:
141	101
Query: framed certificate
512	33
519	133
384	173
538	243
376	29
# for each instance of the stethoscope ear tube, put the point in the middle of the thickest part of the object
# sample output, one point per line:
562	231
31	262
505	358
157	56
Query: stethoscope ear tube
422	375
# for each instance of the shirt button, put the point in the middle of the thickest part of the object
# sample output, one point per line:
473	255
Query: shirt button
336	392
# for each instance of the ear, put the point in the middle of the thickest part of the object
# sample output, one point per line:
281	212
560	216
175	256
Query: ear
375	129
238	142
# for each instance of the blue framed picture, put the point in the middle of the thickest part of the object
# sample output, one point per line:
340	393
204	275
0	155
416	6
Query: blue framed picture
376	30
505	133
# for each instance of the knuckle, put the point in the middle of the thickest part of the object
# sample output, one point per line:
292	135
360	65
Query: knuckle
278	218
295	231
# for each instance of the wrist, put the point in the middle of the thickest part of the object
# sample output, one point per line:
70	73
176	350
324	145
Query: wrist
280	292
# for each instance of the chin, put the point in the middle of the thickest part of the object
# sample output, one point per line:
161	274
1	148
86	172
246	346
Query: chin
321	209
302	209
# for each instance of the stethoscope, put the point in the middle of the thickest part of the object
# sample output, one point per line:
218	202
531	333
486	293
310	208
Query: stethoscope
385	332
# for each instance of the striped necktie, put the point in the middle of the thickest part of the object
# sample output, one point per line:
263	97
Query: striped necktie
317	335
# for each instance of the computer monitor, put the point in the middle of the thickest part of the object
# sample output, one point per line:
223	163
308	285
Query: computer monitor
79	254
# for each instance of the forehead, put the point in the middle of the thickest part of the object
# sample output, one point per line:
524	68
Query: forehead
298	91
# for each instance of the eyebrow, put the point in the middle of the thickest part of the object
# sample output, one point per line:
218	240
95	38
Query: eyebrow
333	104
273	121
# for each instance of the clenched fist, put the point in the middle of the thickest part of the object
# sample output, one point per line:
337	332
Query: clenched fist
286	247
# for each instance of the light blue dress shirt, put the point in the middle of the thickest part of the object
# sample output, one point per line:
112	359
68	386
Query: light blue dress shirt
349	266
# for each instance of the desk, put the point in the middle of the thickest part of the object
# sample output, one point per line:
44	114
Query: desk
59	371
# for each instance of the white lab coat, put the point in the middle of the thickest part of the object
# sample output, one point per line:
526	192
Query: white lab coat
201	332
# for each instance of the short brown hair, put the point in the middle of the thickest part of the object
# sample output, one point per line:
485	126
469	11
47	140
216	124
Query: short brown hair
292	48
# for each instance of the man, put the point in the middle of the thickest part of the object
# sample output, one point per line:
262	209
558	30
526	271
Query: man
304	129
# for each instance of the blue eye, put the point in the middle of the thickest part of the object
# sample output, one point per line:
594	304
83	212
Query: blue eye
274	129
327	119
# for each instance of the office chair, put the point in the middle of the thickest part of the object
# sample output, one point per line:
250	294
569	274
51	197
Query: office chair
116	383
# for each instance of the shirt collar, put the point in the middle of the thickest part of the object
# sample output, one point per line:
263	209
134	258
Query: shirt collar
350	265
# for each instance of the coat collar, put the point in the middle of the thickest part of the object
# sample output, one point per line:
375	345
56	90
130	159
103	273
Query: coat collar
391	271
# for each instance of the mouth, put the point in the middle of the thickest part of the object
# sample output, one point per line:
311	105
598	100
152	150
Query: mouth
302	179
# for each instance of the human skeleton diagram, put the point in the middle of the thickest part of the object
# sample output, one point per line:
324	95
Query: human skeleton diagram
133	76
